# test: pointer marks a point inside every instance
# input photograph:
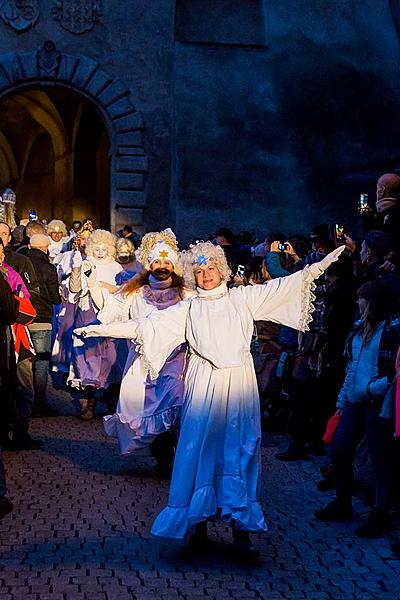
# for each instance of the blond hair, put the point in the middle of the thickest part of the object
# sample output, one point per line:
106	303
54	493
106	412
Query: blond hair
190	260
103	237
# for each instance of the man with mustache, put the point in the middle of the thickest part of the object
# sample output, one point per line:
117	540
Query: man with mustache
148	409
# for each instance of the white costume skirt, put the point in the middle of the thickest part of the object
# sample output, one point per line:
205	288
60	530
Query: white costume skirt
218	458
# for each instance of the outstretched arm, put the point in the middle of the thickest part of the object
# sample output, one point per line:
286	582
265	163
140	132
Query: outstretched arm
287	300
125	330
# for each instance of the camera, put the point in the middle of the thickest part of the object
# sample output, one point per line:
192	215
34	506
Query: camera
240	270
282	247
363	206
339	234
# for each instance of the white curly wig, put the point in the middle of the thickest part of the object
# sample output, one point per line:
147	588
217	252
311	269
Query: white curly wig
104	238
124	245
57	226
190	260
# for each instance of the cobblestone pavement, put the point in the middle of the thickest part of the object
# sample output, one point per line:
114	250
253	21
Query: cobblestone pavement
80	530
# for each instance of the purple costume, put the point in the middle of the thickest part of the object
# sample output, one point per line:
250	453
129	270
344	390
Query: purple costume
146	407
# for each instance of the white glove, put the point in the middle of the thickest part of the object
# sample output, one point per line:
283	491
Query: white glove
119	329
318	268
76	259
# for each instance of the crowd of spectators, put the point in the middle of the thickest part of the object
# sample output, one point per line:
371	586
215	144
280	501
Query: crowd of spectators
337	379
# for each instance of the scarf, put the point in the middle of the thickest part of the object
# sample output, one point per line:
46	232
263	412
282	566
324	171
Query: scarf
160	293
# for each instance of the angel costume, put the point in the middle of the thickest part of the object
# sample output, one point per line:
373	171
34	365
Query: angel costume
217	462
146	407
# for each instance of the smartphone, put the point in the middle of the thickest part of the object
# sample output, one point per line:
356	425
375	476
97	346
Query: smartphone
282	247
240	270
339	234
363	206
32	215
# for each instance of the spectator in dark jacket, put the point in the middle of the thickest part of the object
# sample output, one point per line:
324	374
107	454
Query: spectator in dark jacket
42	327
8	315
24	381
18	261
372	349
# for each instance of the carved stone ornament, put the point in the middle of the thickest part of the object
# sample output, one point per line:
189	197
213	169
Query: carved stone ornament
77	16
48	59
19	14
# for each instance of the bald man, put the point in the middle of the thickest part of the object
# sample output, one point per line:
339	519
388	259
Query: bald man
388	204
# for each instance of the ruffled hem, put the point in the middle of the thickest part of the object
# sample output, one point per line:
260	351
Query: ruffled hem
307	301
141	431
176	521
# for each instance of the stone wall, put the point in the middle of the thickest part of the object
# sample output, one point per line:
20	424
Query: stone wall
255	114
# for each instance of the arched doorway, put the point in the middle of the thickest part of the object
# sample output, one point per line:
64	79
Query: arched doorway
54	152
106	108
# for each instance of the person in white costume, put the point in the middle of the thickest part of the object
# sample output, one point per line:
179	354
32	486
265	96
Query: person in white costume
217	463
148	411
59	238
95	365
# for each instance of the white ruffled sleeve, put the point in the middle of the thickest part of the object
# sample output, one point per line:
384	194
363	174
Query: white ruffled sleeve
285	300
159	334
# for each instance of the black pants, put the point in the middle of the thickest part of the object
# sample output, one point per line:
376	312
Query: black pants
356	421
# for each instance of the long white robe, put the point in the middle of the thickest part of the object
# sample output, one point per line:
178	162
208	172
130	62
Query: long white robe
217	462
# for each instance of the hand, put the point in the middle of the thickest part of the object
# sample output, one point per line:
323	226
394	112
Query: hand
291	251
387	266
274	247
88	331
238	279
339	412
350	244
318	268
76	260
109	287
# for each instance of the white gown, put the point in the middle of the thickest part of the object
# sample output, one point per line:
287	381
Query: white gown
217	463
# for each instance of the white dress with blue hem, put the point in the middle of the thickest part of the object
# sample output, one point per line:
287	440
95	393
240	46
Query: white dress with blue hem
218	460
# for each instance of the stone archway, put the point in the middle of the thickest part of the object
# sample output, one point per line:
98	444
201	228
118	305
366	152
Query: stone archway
112	99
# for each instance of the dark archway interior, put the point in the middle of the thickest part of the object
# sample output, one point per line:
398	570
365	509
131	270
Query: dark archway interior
54	152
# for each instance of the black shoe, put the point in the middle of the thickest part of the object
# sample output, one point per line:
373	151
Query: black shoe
335	511
326	470
6	444
45	411
377	524
292	454
6	506
316	449
163	471
25	442
199	539
242	546
395	548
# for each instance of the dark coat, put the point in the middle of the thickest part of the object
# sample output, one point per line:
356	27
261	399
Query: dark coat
24	267
8	315
48	285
